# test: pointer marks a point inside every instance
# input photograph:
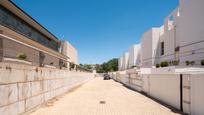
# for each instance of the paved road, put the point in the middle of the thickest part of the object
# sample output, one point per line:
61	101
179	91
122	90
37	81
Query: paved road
99	97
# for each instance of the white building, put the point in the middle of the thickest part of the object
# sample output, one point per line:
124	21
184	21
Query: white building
70	51
191	30
180	38
120	63
168	38
134	56
150	46
183	36
125	61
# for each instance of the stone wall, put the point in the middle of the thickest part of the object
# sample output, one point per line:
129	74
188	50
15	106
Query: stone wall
23	88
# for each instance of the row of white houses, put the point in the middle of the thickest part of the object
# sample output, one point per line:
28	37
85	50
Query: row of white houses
180	39
168	64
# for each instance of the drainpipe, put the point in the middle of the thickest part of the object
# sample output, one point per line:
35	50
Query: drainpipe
181	92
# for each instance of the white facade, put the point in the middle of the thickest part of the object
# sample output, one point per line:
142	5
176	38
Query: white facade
169	37
120	63
191	30
134	55
149	47
180	38
183	35
70	51
125	61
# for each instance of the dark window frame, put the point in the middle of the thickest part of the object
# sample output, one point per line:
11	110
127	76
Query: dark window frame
162	48
19	25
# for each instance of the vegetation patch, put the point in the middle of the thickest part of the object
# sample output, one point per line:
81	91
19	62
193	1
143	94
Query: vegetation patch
164	64
190	63
21	56
202	62
133	66
158	66
51	63
109	66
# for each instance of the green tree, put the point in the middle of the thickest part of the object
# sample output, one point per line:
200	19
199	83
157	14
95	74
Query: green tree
109	66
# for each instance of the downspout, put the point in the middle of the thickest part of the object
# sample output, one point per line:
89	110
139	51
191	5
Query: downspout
181	92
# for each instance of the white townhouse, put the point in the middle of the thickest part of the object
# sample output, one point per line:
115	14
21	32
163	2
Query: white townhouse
120	63
191	31
125	61
180	39
149	46
183	37
134	56
168	39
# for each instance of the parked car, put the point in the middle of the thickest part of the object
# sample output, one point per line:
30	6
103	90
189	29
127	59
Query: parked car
106	77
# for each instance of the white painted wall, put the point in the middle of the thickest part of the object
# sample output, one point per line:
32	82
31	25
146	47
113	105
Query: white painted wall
165	88
169	37
145	83
164	85
197	94
134	55
185	31
70	51
191	30
148	54
120	63
182	28
125	60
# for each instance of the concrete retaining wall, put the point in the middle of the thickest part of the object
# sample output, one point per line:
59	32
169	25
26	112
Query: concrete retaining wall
24	88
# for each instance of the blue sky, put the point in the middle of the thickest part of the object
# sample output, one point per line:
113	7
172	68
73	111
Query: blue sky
99	29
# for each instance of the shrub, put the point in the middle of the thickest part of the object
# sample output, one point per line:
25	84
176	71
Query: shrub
177	49
133	66
187	63
170	62
72	66
157	65
164	64
175	62
51	63
202	62
21	56
192	62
